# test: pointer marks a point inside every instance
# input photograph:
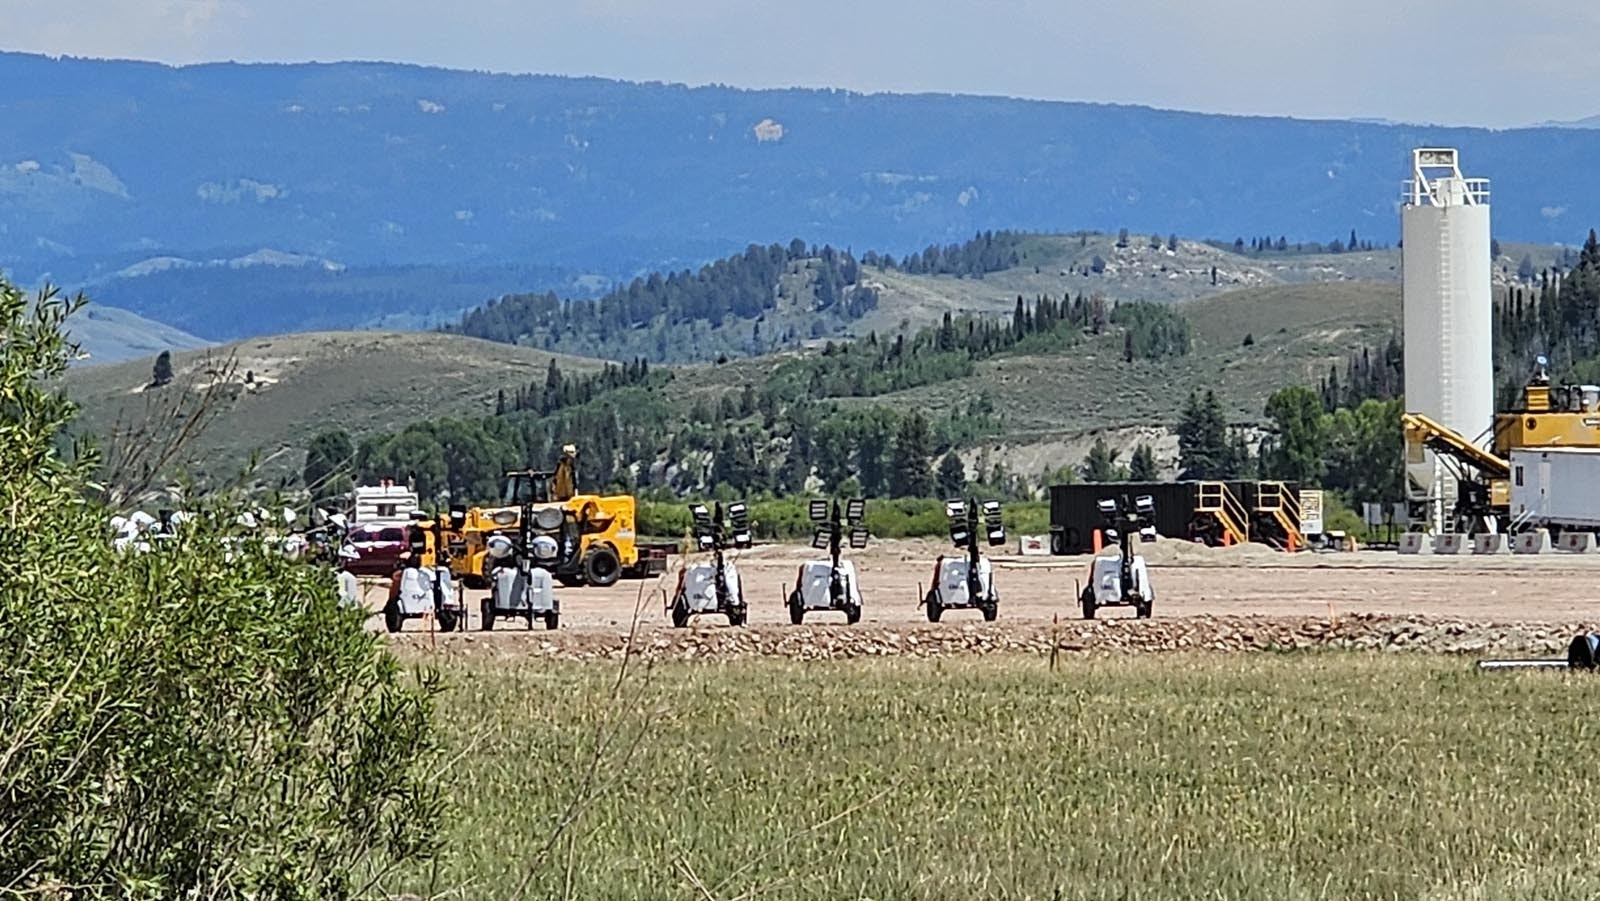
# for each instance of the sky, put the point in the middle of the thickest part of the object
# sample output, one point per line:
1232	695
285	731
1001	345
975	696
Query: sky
1460	62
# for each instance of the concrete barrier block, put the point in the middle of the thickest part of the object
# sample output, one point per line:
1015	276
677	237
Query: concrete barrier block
1449	543
1577	542
1415	543
1534	542
1491	543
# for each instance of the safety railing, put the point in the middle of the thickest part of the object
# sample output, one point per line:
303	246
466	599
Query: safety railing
1275	499
1218	500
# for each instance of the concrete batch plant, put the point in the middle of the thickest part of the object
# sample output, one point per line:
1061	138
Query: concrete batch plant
1470	469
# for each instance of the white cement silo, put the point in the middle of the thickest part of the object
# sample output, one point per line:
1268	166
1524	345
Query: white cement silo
1449	351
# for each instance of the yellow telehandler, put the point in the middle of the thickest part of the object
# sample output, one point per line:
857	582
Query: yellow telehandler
596	533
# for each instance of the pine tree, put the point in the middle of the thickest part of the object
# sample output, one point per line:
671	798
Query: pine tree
1202	438
553	384
735	464
1101	463
1142	465
952	476
161	373
330	459
909	475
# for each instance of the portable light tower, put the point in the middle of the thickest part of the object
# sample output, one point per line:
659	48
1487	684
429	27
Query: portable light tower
714	587
831	584
525	588
968	581
1123	580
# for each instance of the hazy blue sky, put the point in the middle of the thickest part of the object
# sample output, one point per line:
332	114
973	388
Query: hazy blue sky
1479	62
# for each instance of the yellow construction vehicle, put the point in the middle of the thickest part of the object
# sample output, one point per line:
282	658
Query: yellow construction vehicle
1484	476
596	533
1538	424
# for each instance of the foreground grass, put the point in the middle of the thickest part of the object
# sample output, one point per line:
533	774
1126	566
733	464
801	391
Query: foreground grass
1172	776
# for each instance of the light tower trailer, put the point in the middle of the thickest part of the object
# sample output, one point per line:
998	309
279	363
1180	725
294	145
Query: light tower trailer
968	581
713	586
426	586
523	581
1122	580
831	584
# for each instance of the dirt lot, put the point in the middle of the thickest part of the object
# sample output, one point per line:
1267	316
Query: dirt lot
1197	588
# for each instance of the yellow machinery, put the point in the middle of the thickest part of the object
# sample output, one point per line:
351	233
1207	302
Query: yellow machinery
1485	475
1537	424
596	533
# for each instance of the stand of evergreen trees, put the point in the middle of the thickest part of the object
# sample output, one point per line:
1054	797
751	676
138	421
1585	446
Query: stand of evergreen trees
782	434
1371	373
1558	317
986	252
720	309
558	390
654	313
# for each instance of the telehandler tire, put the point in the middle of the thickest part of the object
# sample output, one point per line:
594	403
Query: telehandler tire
602	567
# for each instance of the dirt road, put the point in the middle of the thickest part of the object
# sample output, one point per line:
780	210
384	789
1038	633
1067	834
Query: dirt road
1190	581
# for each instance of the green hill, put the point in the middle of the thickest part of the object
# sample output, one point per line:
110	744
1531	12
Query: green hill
1033	408
364	382
786	297
1032	404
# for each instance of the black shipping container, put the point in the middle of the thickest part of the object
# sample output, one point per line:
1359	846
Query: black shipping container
1074	515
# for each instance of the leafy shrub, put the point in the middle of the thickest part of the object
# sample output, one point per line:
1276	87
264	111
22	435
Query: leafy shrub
198	720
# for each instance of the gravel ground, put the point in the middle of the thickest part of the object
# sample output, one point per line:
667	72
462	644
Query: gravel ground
1225	599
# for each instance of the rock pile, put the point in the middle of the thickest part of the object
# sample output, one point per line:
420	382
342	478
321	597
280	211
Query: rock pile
1113	636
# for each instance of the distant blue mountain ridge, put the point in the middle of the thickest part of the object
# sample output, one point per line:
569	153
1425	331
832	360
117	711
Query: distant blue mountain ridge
107	164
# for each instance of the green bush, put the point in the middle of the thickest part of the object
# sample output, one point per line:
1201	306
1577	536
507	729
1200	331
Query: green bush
198	720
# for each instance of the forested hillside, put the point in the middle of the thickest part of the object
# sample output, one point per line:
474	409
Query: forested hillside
783	429
761	300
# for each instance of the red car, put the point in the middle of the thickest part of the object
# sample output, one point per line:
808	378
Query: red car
378	548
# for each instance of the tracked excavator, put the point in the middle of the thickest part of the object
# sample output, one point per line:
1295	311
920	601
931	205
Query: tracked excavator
596	533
